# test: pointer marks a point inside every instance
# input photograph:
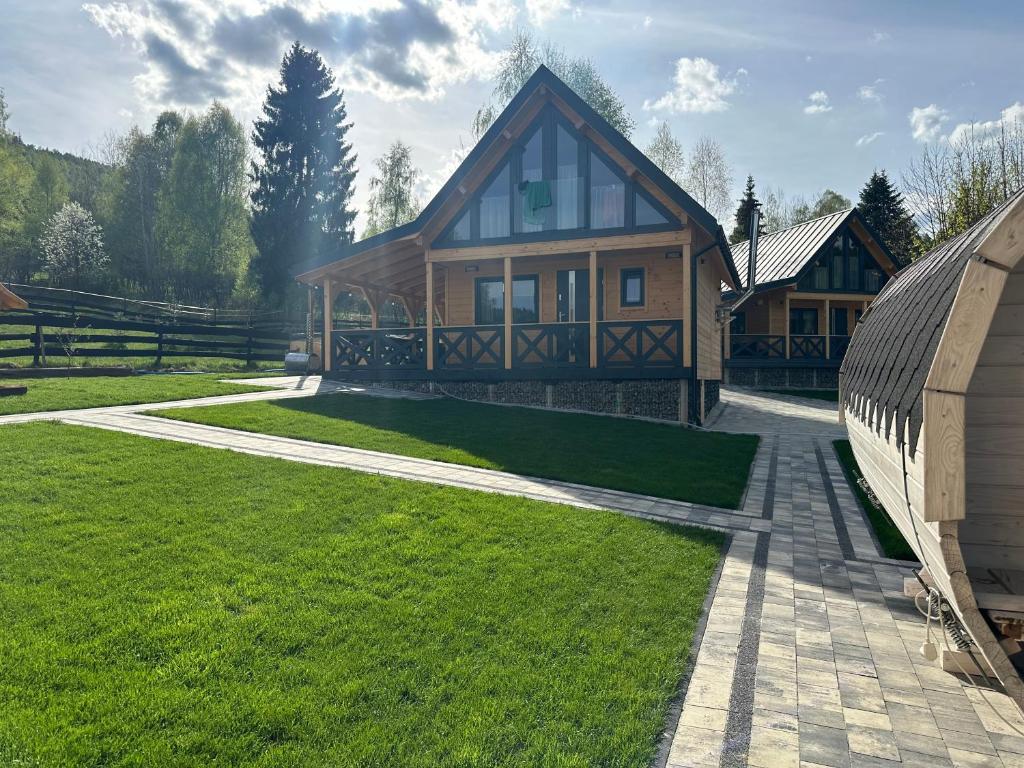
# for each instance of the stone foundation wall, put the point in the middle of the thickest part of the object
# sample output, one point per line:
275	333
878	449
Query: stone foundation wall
783	378
712	391
665	399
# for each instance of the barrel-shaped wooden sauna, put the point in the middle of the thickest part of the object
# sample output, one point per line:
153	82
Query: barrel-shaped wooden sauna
932	393
9	301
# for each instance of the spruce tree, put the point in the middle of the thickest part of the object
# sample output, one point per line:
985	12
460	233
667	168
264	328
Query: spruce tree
303	181
882	206
741	231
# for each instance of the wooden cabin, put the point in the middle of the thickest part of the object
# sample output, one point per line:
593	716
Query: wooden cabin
812	283
932	392
558	267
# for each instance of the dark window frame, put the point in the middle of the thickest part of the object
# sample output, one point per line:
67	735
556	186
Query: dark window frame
625	273
548	120
500	280
739	323
804	311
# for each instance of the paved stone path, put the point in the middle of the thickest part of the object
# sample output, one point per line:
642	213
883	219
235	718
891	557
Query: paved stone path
809	652
810	656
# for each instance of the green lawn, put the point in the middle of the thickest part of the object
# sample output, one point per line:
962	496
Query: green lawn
889	536
656	459
829	395
208	608
56	394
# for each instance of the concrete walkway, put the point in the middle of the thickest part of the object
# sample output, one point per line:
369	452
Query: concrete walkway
809	656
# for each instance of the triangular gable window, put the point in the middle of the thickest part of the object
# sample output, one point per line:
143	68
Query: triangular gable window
553	183
646	215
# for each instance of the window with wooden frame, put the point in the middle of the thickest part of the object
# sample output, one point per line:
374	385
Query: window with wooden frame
631	287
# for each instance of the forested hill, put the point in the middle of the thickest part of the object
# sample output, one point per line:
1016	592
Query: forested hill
84	176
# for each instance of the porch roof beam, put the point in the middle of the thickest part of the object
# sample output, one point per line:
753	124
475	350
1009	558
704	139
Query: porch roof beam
580	246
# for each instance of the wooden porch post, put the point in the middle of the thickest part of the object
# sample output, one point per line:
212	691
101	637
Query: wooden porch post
372	298
785	319
508	312
325	342
593	309
727	336
430	312
828	329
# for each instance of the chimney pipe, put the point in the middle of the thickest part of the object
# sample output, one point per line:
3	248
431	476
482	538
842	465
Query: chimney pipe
755	226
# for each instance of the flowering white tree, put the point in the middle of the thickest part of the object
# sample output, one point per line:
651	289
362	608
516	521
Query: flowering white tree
73	246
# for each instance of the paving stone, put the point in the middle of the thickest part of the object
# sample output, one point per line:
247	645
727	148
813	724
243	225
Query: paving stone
823	745
873	742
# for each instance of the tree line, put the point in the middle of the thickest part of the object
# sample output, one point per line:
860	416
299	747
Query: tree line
187	211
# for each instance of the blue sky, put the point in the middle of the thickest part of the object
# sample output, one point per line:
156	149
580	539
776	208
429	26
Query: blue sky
802	95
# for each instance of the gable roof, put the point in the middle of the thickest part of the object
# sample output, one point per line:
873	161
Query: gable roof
891	353
783	256
546	78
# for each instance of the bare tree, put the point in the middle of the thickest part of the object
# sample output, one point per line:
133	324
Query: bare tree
666	152
708	177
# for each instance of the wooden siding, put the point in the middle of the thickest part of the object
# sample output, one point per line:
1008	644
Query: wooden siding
709	347
993	532
664	285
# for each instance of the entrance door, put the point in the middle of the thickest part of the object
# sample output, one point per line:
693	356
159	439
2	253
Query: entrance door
840	322
574	295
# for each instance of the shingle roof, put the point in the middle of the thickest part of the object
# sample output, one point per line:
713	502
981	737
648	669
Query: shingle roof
543	76
783	254
892	350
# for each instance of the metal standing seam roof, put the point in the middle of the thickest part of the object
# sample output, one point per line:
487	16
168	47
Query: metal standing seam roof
783	254
543	76
892	350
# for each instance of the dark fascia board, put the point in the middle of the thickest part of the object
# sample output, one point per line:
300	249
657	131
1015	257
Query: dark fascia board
543	76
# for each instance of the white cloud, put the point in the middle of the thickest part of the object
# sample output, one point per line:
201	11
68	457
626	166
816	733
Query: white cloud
540	12
870	92
698	87
197	50
818	103
926	122
868	138
648	20
1008	118
880	37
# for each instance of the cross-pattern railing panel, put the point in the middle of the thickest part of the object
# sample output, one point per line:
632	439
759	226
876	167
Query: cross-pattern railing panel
378	349
806	347
838	346
469	347
641	344
551	345
748	346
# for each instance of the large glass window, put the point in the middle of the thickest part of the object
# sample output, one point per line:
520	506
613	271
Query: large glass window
853	256
490	300
494	206
873	280
567	180
739	324
607	196
461	230
534	199
631	287
646	214
835	258
803	322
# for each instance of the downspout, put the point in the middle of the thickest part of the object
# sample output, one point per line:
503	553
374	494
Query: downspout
694	390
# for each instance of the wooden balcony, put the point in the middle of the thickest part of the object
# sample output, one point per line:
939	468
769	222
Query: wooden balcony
624	350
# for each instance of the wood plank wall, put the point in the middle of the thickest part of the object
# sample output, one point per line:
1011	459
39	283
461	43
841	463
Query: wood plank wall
709	347
663	289
992	535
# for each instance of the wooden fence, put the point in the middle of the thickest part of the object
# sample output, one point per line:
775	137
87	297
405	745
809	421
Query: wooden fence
49	336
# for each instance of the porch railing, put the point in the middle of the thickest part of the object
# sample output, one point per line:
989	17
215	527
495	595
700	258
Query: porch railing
379	349
762	346
623	348
747	346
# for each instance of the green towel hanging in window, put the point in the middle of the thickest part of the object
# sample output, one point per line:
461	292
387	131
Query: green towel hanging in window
536	196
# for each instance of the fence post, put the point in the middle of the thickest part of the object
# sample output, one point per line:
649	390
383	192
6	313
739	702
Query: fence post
248	342
39	353
159	346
